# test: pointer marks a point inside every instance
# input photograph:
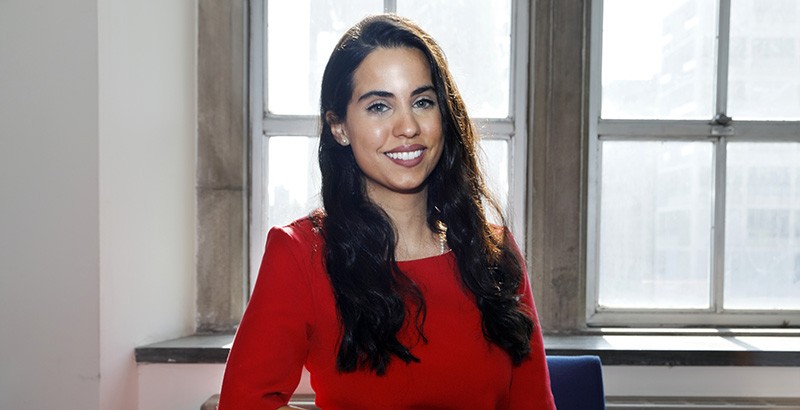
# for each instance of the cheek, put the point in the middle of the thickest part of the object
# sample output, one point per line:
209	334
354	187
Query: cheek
365	132
436	133
367	142
433	125
365	150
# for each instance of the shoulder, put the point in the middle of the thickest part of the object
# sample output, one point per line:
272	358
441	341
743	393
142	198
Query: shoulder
292	252
301	235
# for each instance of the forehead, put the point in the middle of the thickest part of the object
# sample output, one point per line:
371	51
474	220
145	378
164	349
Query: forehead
393	70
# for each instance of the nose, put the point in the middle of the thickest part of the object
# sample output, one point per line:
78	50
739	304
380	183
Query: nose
406	124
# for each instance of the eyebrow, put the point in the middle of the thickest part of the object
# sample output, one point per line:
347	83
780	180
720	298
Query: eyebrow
386	94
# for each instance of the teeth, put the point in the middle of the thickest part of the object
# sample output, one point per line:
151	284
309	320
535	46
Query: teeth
404	156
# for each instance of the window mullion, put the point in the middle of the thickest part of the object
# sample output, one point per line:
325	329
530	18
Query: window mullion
258	168
718	231
723	48
308	125
301	125
495	128
655	129
720	164
390	6
518	95
594	158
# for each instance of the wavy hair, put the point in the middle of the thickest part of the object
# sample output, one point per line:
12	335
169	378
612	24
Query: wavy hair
373	296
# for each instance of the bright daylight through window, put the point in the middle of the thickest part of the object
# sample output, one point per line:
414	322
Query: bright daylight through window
694	213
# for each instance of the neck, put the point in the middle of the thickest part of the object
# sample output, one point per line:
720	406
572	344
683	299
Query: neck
408	213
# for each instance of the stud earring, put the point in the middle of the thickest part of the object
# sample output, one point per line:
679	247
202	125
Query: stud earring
345	141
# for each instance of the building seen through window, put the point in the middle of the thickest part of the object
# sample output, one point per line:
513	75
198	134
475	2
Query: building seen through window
695	215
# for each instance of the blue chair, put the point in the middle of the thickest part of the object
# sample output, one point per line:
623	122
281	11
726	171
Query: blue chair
577	382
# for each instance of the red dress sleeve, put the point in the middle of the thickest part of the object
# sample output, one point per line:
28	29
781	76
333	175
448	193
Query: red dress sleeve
530	381
271	343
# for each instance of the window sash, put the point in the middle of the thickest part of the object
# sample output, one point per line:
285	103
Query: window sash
675	130
267	124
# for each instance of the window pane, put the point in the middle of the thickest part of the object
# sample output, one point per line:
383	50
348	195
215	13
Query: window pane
658	59
476	37
292	180
300	38
495	164
765	60
762	229
655	224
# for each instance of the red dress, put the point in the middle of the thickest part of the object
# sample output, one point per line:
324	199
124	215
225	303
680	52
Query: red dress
291	322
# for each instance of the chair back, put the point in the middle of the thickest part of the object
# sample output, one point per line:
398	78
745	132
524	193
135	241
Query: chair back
577	382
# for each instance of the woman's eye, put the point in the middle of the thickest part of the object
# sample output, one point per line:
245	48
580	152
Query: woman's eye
378	107
424	103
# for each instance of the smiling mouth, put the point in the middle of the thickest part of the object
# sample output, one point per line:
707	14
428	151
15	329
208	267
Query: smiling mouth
404	156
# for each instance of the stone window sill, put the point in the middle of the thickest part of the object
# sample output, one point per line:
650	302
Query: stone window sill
639	347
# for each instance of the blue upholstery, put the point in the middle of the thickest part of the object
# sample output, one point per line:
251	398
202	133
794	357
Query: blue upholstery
577	382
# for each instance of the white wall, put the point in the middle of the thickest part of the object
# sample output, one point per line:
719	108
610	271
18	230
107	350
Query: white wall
187	386
97	120
49	249
147	156
178	386
702	381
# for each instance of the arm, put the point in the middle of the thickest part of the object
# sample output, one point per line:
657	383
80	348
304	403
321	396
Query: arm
270	347
530	381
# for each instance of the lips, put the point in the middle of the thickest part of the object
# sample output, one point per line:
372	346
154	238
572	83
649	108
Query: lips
404	156
407	156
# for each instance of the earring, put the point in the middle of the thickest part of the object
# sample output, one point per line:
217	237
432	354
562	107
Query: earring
342	137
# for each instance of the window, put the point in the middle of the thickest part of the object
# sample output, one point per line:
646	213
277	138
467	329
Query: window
694	164
290	44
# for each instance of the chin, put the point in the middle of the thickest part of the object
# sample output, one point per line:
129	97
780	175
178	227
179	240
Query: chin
410	190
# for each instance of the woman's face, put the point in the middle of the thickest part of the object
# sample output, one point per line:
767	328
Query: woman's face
393	122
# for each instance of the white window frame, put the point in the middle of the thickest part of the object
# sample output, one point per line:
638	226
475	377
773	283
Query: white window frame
675	130
264	125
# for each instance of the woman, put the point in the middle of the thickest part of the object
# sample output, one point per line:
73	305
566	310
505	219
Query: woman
400	294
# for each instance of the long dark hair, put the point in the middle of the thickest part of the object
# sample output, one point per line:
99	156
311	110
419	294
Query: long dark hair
373	296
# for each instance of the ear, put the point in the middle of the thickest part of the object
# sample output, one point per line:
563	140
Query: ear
337	128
